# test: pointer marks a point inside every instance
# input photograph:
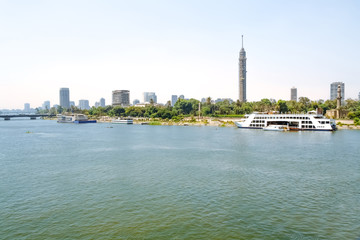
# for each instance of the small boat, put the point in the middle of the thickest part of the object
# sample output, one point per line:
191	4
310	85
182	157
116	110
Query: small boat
123	121
280	128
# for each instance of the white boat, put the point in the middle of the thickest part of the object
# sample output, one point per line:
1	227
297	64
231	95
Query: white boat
75	118
280	128
296	122
123	121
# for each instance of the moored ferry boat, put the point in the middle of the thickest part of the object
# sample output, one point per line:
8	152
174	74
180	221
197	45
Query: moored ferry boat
75	118
123	121
295	122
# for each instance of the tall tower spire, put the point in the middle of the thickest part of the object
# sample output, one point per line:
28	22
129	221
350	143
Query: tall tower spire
242	72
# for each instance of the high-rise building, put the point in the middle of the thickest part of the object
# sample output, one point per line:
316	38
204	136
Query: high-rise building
148	96
242	73
293	95
72	103
84	104
27	107
181	97
121	97
65	97
46	105
102	102
174	99
333	91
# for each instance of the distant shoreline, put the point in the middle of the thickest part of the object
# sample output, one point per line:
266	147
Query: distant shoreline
216	122
210	121
207	121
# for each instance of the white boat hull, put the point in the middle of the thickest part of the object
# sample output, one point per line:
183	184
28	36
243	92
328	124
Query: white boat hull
296	122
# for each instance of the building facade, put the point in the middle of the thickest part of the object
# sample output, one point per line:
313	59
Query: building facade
84	104
334	89
102	102
26	107
46	105
242	73
121	98
65	97
148	96
174	99
293	94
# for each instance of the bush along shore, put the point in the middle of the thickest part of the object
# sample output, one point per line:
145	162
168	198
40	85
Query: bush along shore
188	121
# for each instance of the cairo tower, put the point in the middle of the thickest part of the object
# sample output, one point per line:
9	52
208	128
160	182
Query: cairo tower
242	73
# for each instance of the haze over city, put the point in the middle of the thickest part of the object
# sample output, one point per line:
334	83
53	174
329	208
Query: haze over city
175	47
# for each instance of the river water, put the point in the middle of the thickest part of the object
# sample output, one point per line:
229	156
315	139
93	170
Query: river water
103	181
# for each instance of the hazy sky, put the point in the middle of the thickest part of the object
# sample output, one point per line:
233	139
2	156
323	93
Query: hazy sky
188	47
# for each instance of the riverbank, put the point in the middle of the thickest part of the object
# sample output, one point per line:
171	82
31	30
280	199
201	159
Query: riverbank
346	124
204	121
210	121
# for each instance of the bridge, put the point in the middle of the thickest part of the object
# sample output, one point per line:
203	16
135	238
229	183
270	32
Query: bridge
31	116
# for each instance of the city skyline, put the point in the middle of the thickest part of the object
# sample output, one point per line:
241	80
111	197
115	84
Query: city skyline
194	52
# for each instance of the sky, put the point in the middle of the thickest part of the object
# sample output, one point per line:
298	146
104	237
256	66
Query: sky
174	47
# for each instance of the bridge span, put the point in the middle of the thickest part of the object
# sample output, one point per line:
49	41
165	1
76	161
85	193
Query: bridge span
31	116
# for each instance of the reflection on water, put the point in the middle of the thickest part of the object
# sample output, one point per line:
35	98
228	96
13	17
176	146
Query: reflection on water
153	182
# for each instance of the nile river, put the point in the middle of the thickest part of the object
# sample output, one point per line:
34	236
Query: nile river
103	181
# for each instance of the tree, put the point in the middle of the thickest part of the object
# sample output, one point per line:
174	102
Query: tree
356	121
134	111
60	109
168	104
282	106
352	105
117	111
53	111
304	104
206	110
293	106
183	106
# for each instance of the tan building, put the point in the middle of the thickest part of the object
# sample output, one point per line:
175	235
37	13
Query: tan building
338	112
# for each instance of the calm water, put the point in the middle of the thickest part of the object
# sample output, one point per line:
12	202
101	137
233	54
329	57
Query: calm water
67	181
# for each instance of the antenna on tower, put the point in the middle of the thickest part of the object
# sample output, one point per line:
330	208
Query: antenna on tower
242	41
